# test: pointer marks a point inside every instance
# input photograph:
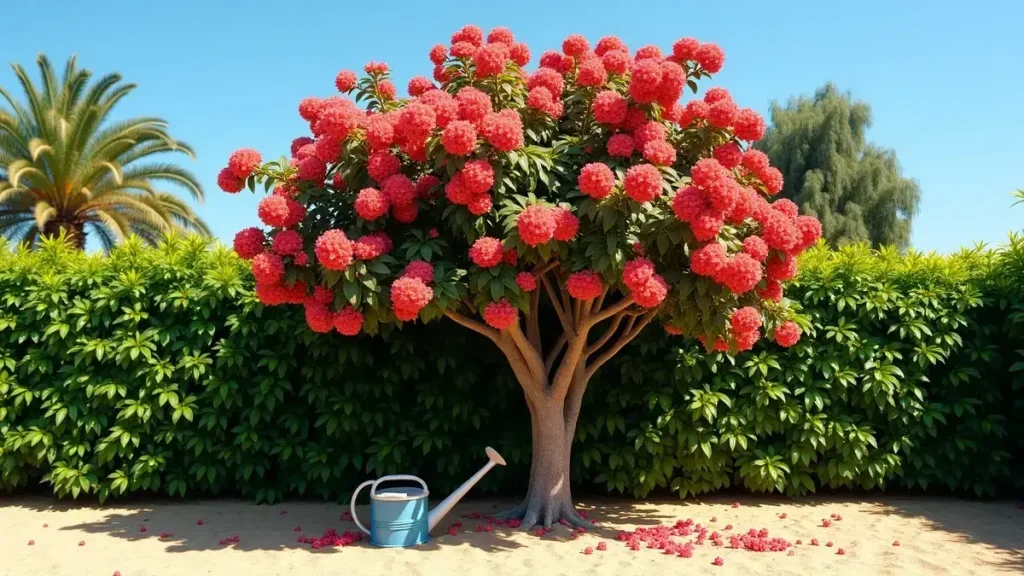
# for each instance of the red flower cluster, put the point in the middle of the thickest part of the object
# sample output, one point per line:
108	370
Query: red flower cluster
249	243
787	334
334	250
643	183
486	252
584	285
566	225
408	296
526	281
280	212
501	314
536	224
596	179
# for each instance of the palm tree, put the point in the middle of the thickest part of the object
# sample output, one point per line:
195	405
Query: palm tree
66	169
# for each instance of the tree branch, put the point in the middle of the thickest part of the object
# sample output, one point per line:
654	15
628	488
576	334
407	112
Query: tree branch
473	325
571	361
542	269
534	361
516	359
613	310
612	329
600	299
566	324
553	354
627	337
533	322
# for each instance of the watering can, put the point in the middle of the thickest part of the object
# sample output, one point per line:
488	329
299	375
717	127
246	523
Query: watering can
399	515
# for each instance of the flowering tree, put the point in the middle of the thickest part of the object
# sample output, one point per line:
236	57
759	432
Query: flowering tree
587	180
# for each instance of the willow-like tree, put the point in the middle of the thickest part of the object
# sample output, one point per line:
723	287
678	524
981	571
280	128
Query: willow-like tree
832	172
67	168
586	180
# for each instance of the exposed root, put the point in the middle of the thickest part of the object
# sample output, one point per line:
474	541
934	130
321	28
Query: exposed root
574	518
536	512
516	513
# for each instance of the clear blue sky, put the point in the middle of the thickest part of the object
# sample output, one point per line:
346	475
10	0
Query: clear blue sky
943	78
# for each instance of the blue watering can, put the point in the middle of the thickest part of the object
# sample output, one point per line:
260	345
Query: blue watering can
399	517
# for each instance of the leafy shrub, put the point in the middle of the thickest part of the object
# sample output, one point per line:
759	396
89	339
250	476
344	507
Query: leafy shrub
156	370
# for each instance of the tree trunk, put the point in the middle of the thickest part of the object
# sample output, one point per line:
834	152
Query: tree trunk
74	232
549	496
554	399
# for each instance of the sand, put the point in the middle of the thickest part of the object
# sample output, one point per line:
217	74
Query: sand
937	536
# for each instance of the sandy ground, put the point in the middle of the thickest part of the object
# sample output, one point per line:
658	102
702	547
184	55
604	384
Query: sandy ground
937	536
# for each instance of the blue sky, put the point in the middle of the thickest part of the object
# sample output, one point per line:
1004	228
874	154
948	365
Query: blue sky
943	78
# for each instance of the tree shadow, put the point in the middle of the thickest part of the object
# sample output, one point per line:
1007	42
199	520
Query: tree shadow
199	525
997	525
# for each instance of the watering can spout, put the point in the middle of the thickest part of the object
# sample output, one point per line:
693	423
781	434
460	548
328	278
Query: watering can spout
442	509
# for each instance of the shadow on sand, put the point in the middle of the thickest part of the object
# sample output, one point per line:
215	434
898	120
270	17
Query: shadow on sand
997	524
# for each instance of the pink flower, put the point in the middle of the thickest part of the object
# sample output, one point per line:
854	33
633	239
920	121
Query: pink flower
243	162
584	285
566	225
486	252
490	59
652	293
592	73
228	182
459	138
596	179
345	81
382	164
688	203
786	335
575	45
409	296
249	243
616	61
478	176
710	57
685	49
645	81
419	84
643	183
609	107
474	105
536	224
334	250
519	52
526	281
620	145
718	561
371	204
501	314
660	153
503	130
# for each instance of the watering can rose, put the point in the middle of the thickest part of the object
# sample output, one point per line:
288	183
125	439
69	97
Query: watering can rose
588	189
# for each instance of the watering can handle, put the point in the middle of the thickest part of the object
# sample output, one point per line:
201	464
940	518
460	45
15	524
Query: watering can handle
353	507
373	491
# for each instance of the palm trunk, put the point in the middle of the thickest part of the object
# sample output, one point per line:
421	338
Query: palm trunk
73	232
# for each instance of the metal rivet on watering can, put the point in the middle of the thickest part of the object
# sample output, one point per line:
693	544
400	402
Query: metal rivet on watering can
399	516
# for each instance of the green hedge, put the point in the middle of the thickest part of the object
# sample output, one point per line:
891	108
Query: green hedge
156	370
